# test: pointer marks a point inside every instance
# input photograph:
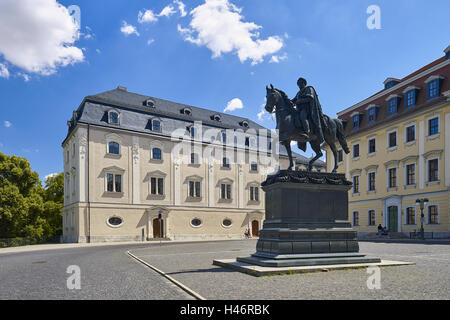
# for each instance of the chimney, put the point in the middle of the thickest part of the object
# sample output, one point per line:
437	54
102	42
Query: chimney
121	88
447	52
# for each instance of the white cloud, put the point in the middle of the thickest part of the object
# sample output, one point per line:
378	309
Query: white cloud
234	104
51	175
150	41
98	51
38	35
147	16
167	11
278	59
218	25
128	29
7	124
25	77
181	7
4	73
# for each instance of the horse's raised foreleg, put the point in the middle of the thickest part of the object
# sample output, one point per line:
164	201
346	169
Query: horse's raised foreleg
315	145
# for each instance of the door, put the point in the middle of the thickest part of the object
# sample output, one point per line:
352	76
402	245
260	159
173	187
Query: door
255	228
158	232
393	218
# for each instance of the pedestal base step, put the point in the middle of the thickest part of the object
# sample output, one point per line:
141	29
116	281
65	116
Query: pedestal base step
315	260
259	271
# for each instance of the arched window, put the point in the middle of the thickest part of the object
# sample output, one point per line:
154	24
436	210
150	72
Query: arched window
113	117
113	148
156	154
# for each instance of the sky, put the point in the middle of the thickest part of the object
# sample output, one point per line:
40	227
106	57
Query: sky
215	54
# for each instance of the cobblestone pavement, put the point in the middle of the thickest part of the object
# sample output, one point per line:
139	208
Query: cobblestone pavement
191	264
106	273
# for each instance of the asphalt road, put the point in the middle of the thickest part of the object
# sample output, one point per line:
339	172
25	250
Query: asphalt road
109	273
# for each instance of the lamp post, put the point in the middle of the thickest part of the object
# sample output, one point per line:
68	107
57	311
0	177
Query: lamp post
422	204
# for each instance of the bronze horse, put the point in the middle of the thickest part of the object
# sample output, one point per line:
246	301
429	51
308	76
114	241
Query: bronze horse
286	112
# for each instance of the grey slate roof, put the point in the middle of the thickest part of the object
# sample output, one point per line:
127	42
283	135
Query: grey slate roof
134	115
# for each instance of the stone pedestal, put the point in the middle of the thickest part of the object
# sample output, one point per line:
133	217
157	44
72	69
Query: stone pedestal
306	222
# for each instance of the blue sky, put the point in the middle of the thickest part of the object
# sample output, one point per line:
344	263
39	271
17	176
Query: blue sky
327	42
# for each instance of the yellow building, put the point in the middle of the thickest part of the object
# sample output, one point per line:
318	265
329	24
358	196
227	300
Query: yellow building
399	140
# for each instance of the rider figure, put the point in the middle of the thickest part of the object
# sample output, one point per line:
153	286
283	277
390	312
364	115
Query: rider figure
309	109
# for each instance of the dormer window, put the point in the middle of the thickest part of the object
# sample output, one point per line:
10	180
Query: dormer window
410	96
355	120
186	111
113	117
392	104
155	125
244	124
371	113
149	103
191	130
390	82
433	86
216	117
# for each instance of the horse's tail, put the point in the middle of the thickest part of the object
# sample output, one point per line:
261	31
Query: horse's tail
340	135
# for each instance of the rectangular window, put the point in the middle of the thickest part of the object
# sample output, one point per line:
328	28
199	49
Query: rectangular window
433	216
157	186
372	145
156	125
410	133
433	170
225	191
254	166
392	106
340	156
433	126
392	177
410	98
194	189
371	181
410	174
224	137
356	151
410	215
392	139
356	218
356	184
113	182
254	193
225	163
433	89
372	115
371	217
355	122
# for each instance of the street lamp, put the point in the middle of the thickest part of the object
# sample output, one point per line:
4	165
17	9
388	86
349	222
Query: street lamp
422	203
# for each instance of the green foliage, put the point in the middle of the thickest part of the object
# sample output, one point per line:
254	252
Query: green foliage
28	210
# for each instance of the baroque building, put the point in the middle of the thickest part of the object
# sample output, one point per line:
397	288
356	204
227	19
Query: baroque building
140	168
399	140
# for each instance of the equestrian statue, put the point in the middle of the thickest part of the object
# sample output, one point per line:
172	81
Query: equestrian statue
301	119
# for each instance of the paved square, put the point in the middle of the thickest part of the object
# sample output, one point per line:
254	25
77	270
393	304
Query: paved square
191	264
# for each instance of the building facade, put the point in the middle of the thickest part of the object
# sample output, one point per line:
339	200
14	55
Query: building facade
399	140
129	177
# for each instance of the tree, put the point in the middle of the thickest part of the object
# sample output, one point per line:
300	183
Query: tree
26	208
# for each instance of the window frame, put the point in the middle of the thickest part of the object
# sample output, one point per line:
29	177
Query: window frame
374	172
407	174
355	214
369	217
114	182
407	220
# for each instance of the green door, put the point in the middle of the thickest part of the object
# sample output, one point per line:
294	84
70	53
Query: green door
393	218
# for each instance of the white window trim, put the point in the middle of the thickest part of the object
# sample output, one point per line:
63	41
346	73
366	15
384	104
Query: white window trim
353	218
368	146
405	222
114	171
427	160
118	117
438	115
427	213
368	218
353	153
406	174
368	181
388	178
156	176
160	124
114	216
159	145
112	137
199	226
412	124
359	184
396	139
224	226
194	179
